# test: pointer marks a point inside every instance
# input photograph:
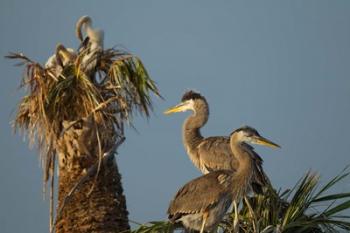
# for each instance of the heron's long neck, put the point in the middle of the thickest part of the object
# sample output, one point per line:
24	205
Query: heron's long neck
96	37
191	127
244	172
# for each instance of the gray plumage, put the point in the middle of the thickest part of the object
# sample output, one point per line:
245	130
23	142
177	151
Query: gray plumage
202	202
91	46
208	193
212	153
216	155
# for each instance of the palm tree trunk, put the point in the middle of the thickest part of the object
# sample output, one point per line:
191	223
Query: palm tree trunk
103	211
95	205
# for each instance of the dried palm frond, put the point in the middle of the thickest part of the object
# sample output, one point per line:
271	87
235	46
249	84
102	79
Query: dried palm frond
120	86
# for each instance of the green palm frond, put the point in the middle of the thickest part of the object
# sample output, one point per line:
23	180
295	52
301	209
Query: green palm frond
304	209
129	78
155	227
120	87
301	199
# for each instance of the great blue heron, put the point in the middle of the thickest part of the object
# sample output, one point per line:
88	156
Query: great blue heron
201	204
212	153
91	45
60	59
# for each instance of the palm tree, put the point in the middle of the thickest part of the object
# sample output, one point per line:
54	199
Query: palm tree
78	120
306	208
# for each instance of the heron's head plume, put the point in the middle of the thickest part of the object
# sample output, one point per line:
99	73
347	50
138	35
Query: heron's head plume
250	135
191	100
83	24
191	95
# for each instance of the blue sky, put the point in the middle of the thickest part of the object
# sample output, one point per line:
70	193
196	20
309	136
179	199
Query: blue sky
282	67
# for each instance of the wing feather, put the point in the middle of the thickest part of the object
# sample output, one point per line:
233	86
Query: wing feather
215	154
259	179
199	194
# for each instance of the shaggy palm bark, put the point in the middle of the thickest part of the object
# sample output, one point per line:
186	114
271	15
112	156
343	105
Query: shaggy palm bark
97	204
104	210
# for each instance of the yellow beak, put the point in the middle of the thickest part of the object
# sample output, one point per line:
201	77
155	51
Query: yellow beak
265	142
178	108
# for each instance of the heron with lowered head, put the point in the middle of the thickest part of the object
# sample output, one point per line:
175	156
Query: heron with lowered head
62	57
91	46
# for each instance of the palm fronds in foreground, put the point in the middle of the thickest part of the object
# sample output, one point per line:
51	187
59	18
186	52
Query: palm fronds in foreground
52	102
303	209
155	226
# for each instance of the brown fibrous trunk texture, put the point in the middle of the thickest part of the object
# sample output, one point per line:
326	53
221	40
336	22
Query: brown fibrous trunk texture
97	205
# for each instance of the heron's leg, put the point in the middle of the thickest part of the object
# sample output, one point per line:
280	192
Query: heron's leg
235	220
204	220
